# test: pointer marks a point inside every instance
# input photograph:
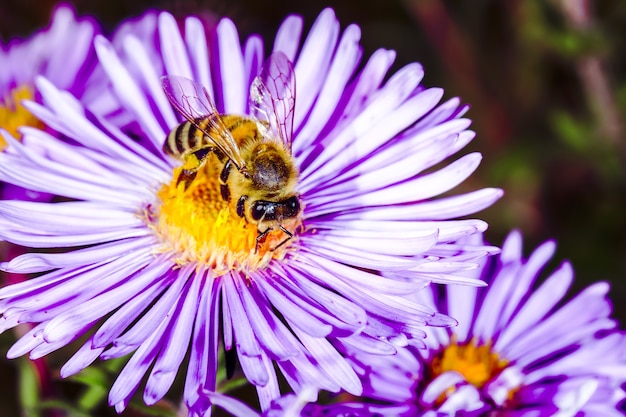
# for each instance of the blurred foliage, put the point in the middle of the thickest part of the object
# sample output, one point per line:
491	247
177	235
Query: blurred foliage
547	86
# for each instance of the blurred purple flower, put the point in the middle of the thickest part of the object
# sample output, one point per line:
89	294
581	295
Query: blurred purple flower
160	275
64	54
518	349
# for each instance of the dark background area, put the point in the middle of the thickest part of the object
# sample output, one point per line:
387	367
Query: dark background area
547	86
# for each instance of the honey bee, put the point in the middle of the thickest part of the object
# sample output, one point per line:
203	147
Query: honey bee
258	175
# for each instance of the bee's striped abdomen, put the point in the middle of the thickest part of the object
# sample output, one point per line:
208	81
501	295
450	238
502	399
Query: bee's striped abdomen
187	138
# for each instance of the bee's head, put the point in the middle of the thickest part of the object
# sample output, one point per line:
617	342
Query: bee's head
262	210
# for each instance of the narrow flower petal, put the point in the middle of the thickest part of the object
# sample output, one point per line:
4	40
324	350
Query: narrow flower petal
167	363
231	68
174	52
196	42
288	37
321	39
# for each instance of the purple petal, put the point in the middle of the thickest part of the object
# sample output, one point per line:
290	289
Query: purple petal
288	37
197	45
231	68
171	356
321	39
175	58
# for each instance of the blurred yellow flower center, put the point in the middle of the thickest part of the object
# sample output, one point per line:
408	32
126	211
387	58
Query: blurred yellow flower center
13	115
477	364
197	225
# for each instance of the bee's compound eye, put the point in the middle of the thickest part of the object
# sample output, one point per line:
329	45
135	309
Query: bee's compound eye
263	210
292	206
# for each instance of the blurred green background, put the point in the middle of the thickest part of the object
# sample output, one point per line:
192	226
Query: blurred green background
546	81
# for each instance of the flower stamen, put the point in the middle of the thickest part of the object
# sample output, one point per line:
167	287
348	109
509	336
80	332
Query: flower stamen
14	115
477	363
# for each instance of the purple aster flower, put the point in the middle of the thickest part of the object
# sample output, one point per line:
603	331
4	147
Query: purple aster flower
161	270
64	54
518	348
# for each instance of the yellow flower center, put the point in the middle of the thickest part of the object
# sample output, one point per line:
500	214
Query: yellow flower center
477	363
197	225
13	115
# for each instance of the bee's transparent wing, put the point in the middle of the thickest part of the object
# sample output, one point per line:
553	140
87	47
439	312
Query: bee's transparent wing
193	101
273	96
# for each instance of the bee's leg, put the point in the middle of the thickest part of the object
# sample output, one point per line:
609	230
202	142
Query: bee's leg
241	206
260	237
194	162
287	239
224	190
186	176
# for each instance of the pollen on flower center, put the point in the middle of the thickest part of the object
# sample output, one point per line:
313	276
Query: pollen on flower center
13	115
477	363
197	225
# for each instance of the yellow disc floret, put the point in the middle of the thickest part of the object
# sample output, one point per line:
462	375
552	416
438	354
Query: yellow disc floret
196	224
477	363
13	115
